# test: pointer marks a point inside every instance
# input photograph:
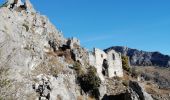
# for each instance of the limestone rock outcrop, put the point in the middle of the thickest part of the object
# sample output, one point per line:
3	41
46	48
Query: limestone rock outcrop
139	90
28	42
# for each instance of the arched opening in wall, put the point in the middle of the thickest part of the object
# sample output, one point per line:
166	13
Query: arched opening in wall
113	56
115	73
101	55
105	68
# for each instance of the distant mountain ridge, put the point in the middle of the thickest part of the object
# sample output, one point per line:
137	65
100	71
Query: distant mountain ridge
143	58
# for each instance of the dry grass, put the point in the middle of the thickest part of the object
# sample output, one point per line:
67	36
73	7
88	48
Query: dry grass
152	87
59	97
152	69
90	98
82	98
52	66
66	54
126	76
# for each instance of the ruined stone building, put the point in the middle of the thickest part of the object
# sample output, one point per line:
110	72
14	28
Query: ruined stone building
73	42
19	5
107	63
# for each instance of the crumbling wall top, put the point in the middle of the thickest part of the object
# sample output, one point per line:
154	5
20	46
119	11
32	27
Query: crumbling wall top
18	4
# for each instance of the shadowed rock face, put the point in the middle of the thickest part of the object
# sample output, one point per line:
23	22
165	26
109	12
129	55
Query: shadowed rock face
123	96
143	58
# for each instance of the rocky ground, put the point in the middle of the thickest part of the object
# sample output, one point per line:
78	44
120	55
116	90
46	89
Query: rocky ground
156	81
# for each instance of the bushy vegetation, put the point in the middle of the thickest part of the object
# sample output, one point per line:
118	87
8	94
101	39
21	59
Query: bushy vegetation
26	27
89	81
134	72
77	68
4	82
125	63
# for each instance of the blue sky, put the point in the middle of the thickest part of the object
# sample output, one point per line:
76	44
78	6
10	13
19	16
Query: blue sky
140	24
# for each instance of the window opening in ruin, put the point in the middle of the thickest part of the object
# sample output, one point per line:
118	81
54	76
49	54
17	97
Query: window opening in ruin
115	73
102	55
105	68
113	56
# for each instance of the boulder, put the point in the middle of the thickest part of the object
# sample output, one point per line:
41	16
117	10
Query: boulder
139	91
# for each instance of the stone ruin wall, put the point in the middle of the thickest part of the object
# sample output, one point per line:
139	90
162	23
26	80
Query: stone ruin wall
114	61
99	56
18	4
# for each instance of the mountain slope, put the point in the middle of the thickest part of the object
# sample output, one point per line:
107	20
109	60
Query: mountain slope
143	58
38	63
28	42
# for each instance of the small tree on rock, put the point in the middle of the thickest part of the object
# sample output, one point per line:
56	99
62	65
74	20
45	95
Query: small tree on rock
125	63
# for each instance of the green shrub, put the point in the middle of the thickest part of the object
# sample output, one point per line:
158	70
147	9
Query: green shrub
134	72
26	27
89	82
125	63
5	82
77	68
54	71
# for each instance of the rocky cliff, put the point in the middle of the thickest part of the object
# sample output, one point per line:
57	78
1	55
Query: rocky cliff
143	58
31	56
38	63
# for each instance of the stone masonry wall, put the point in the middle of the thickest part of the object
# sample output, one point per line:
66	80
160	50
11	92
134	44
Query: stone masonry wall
113	60
115	64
